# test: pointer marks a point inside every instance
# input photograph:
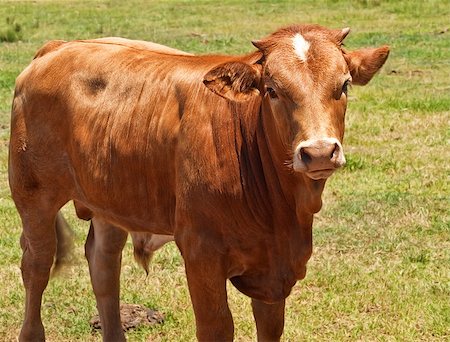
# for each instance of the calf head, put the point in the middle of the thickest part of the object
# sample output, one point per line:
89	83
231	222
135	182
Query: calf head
303	74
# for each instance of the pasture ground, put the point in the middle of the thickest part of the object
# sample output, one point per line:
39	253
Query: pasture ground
380	270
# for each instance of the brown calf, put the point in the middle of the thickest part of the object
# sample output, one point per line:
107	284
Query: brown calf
228	154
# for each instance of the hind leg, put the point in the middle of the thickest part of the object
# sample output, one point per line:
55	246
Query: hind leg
103	250
38	242
40	183
38	202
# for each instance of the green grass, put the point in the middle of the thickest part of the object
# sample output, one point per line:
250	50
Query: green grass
380	270
12	33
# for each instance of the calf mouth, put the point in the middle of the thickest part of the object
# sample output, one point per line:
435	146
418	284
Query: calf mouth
320	174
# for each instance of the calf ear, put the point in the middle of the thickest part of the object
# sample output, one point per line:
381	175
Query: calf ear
364	63
236	81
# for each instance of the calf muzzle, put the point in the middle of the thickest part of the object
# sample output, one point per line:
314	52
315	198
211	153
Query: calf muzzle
318	158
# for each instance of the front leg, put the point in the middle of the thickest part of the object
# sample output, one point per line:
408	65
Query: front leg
206	278
269	320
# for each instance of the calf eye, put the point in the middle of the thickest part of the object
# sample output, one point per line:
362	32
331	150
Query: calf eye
272	93
345	86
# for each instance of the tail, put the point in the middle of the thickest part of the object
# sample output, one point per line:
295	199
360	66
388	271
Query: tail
142	254
144	246
64	244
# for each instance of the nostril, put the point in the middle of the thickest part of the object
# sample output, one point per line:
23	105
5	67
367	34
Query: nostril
304	156
335	151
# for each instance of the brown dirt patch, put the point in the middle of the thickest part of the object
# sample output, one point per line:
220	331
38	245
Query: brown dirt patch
132	316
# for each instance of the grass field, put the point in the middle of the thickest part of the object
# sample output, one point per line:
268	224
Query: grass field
380	270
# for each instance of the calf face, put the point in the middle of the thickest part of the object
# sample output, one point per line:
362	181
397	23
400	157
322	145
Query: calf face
303	75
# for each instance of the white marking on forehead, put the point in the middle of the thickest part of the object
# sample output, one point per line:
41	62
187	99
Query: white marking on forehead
301	46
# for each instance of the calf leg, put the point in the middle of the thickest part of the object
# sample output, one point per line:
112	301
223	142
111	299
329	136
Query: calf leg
103	251
269	320
38	242
206	278
209	299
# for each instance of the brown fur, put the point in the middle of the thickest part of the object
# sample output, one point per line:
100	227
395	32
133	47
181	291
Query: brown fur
49	47
142	141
